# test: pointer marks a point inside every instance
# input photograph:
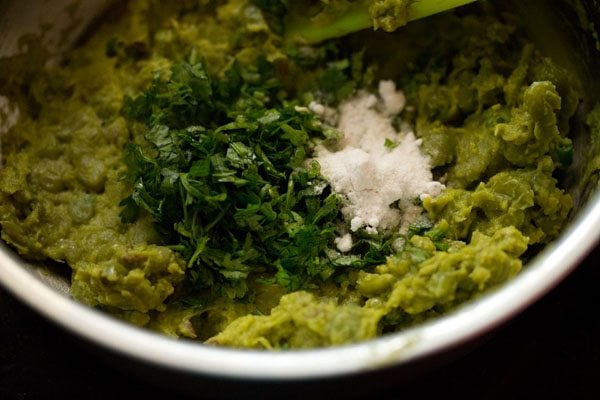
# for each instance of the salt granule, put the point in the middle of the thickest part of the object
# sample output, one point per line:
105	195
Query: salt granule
378	182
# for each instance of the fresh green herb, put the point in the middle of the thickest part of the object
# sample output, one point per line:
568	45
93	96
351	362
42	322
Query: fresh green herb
436	233
391	144
437	236
564	154
336	83
224	176
420	226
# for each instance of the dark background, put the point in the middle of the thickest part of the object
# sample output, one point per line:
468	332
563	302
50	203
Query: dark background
552	350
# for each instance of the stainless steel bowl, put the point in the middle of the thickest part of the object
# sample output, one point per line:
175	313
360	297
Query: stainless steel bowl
191	364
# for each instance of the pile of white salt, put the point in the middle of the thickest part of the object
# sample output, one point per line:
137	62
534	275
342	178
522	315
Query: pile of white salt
378	171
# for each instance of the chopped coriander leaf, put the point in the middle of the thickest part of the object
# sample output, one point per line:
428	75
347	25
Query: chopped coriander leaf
223	174
420	226
390	144
564	153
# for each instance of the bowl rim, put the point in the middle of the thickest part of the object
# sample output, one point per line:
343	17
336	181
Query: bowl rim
469	321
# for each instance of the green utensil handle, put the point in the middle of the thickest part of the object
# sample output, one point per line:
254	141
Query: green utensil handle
358	18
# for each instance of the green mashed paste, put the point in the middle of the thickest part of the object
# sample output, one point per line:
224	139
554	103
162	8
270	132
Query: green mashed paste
492	112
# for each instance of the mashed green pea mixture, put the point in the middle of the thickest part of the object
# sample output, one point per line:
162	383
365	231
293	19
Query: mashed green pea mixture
492	112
